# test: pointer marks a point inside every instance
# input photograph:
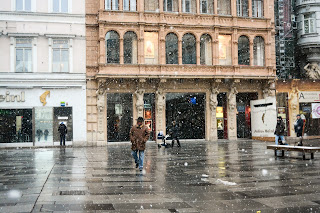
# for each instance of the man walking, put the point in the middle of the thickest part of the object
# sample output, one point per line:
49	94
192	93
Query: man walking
298	127
63	131
139	134
175	133
279	132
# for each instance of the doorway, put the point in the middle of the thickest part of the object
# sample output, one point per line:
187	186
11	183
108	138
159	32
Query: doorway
188	110
244	114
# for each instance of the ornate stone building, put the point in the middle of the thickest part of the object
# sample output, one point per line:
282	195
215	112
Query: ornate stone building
197	62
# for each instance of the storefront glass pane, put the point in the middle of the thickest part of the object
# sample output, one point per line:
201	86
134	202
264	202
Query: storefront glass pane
311	124
15	125
188	110
43	124
119	116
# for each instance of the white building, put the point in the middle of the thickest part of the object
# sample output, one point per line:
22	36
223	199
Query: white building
42	71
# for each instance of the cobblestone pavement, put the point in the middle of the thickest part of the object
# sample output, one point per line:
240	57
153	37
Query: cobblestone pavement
224	176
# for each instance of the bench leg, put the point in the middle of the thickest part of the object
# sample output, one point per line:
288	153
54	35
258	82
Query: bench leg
275	152
312	157
304	156
282	153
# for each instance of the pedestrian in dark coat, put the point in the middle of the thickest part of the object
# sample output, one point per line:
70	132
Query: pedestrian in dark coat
279	132
63	131
174	131
298	127
139	134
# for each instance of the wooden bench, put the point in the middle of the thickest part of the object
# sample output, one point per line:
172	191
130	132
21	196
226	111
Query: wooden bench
303	149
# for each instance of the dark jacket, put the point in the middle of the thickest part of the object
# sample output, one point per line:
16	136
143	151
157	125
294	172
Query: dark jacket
279	128
62	129
174	131
138	137
298	126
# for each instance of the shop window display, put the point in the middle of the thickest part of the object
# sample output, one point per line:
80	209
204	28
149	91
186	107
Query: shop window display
119	116
44	124
15	125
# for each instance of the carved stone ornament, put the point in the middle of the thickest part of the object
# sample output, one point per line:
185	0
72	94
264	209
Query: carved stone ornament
313	70
232	98
139	104
213	99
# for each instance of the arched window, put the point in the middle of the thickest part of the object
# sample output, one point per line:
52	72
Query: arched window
111	4
130	5
242	8
206	49
189	49
170	5
112	47
130	48
224	7
243	51
258	51
257	8
189	6
171	49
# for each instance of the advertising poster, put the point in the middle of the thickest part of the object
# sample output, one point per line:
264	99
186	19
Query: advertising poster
315	110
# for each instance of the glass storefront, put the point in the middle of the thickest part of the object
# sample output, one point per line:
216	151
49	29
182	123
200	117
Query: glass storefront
312	124
282	106
188	110
38	125
43	124
119	116
15	125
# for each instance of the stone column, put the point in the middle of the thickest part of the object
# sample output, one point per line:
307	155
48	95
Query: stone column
213	135
160	111
139	93
198	52
121	51
101	115
293	109
232	113
180	51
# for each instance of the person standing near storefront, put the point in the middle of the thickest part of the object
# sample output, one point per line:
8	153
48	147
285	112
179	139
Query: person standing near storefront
139	134
279	132
63	131
174	131
298	127
46	133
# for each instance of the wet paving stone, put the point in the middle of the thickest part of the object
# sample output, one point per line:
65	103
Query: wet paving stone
224	176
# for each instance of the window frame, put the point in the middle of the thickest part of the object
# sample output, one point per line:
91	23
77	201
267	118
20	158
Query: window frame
134	57
241	7
309	19
30	48
256	56
23	6
167	42
60	6
256	9
186	53
60	54
112	2
240	51
129	6
118	50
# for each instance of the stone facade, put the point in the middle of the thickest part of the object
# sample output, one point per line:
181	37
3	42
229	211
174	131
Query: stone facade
160	78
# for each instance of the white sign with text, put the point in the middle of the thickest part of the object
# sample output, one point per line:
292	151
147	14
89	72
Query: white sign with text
309	97
263	117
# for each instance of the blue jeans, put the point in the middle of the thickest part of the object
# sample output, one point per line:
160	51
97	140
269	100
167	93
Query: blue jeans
139	159
281	137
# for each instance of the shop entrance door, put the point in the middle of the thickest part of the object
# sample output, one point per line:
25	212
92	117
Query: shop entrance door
188	110
244	114
62	114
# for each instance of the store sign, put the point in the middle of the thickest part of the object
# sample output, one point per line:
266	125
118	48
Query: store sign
263	117
315	110
9	97
309	97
